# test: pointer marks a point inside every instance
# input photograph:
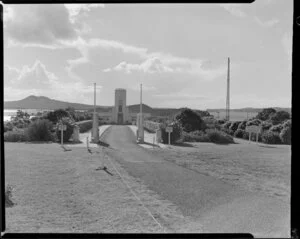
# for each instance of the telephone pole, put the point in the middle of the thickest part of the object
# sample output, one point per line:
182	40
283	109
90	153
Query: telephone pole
95	132
228	92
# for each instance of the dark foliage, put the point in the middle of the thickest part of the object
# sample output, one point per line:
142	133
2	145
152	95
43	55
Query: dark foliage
190	120
279	117
175	135
265	114
40	130
269	137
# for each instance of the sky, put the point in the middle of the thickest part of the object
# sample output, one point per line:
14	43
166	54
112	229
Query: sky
178	52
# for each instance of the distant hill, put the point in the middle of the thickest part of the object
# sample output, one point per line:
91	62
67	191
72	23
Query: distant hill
136	108
249	109
42	102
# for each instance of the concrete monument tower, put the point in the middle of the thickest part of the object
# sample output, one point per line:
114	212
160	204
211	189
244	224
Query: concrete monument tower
120	111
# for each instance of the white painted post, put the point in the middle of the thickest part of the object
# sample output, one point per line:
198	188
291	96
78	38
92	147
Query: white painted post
169	138
153	141
62	135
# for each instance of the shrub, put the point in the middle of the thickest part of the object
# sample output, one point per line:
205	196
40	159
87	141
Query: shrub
226	125
56	115
219	137
285	135
245	135
8	126
190	120
276	128
40	130
239	133
15	136
175	135
287	123
242	125
265	114
8	196
195	136
270	137
266	125
68	132
85	126
256	122
279	117
234	126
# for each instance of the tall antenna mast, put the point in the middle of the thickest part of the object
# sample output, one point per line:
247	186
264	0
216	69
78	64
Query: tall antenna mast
141	104
228	92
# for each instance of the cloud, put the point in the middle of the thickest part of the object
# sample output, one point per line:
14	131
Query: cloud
234	10
77	9
38	24
269	23
136	87
180	96
151	65
35	77
287	44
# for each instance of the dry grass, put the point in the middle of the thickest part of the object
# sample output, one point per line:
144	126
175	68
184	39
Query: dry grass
58	191
262	168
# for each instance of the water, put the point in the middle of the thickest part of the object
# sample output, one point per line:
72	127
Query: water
8	113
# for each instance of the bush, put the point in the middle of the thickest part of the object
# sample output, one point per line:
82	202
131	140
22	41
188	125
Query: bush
8	196
256	122
190	120
234	126
266	126
8	126
286	135
226	125
15	136
195	136
269	137
239	133
68	132
276	128
175	135
279	117
40	130
85	126
56	115
219	137
265	114
245	135
242	125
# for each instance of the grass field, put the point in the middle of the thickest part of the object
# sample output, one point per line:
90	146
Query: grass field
62	191
234	116
255	167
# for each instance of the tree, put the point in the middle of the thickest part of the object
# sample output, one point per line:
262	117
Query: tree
190	120
265	114
56	115
279	117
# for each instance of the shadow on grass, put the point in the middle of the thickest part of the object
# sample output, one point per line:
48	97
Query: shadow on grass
267	146
104	144
153	145
183	144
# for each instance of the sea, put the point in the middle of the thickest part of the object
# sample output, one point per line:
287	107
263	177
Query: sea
8	113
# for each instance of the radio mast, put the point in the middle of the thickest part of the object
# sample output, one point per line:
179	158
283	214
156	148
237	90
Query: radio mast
228	92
